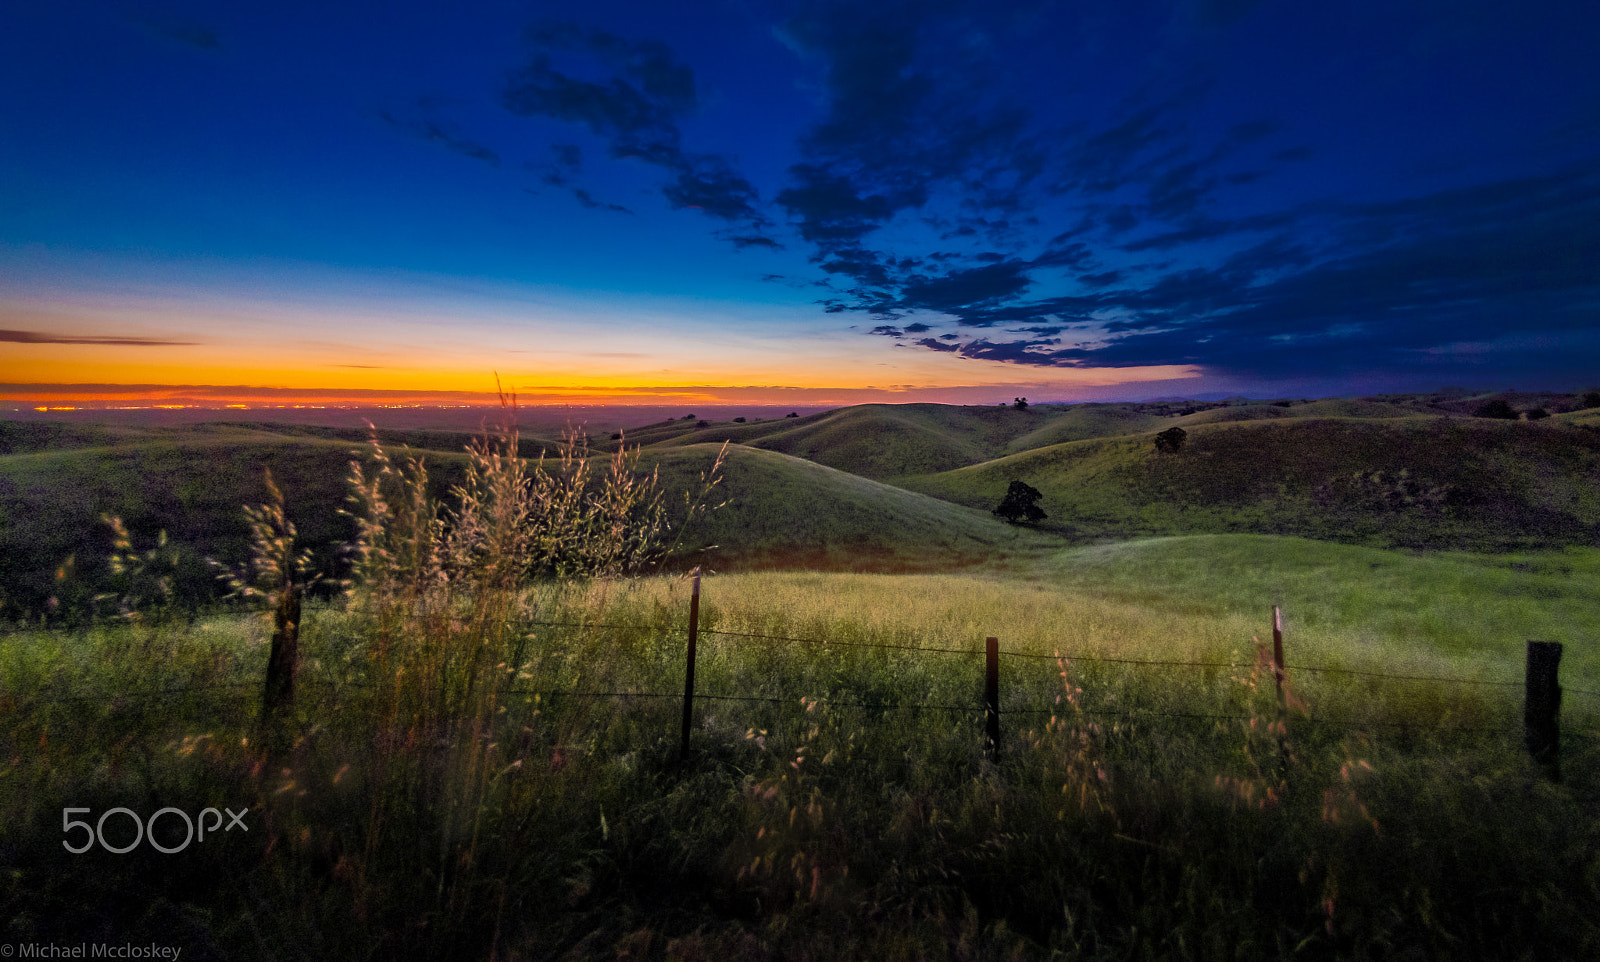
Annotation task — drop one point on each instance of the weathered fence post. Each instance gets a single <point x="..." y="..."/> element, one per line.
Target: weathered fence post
<point x="1541" y="712"/>
<point x="991" y="694"/>
<point x="283" y="661"/>
<point x="1277" y="655"/>
<point x="688" y="675"/>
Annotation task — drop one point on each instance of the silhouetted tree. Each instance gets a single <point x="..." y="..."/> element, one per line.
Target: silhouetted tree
<point x="1021" y="404"/>
<point x="792" y="414"/>
<point x="1020" y="504"/>
<point x="738" y="420"/>
<point x="1171" y="440"/>
<point x="1498" y="408"/>
<point x="687" y="417"/>
<point x="1538" y="414"/>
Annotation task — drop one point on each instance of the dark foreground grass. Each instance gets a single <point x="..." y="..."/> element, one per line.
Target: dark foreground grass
<point x="451" y="787"/>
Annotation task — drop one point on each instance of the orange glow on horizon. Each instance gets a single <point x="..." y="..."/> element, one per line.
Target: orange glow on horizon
<point x="245" y="371"/>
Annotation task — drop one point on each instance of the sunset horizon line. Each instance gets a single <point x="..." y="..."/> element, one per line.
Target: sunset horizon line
<point x="60" y="397"/>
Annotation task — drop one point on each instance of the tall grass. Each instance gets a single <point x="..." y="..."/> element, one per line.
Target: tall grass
<point x="480" y="766"/>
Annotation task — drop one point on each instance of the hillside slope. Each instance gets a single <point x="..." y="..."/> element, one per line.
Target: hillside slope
<point x="193" y="488"/>
<point x="783" y="510"/>
<point x="886" y="441"/>
<point x="193" y="484"/>
<point x="1430" y="482"/>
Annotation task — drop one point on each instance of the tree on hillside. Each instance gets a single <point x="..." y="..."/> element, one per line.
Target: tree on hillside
<point x="1020" y="504"/>
<point x="1538" y="414"/>
<point x="1021" y="404"/>
<point x="1171" y="440"/>
<point x="1498" y="408"/>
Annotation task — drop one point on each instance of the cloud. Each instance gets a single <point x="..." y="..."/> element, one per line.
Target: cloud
<point x="833" y="215"/>
<point x="706" y="183"/>
<point x="40" y="337"/>
<point x="747" y="241"/>
<point x="587" y="199"/>
<point x="636" y="107"/>
<point x="936" y="180"/>
<point x="964" y="289"/>
<point x="911" y="129"/>
<point x="435" y="133"/>
<point x="1404" y="286"/>
<point x="1016" y="352"/>
<point x="1102" y="279"/>
<point x="560" y="171"/>
<point x="920" y="127"/>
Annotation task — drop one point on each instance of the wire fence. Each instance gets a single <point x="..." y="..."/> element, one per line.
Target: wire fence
<point x="244" y="687"/>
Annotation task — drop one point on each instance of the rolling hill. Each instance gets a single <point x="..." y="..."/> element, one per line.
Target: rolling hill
<point x="1437" y="482"/>
<point x="789" y="512"/>
<point x="781" y="511"/>
<point x="884" y="487"/>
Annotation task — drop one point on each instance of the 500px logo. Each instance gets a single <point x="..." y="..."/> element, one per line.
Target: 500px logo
<point x="147" y="829"/>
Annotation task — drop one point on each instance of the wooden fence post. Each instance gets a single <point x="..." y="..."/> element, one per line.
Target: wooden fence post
<point x="283" y="662"/>
<point x="1541" y="712"/>
<point x="688" y="675"/>
<point x="991" y="694"/>
<point x="1277" y="655"/>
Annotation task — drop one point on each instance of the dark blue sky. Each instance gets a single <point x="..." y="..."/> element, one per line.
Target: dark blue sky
<point x="821" y="202"/>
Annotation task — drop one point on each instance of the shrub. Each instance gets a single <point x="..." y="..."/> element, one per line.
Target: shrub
<point x="1591" y="399"/>
<point x="1171" y="440"/>
<point x="1538" y="414"/>
<point x="1498" y="408"/>
<point x="511" y="521"/>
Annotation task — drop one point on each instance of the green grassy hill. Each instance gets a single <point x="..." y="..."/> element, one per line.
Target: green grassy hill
<point x="1325" y="408"/>
<point x="789" y="512"/>
<point x="886" y="441"/>
<point x="880" y="486"/>
<point x="194" y="488"/>
<point x="1420" y="482"/>
<point x="783" y="510"/>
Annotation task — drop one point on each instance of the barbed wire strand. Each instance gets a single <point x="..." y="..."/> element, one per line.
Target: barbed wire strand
<point x="837" y="643"/>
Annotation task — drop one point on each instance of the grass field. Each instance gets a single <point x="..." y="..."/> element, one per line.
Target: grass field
<point x="519" y="822"/>
<point x="475" y="767"/>
<point x="911" y="487"/>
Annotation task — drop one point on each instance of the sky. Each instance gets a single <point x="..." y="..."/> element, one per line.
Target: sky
<point x="806" y="203"/>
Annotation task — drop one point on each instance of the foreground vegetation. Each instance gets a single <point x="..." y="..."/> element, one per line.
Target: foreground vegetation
<point x="449" y="792"/>
<point x="482" y="755"/>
